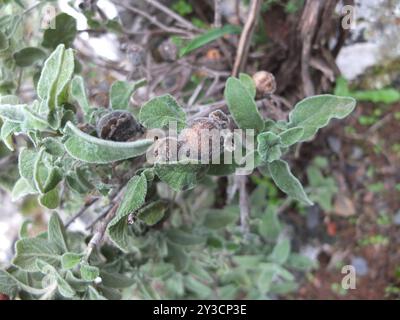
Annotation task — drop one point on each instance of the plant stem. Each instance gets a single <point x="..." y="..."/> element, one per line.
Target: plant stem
<point x="246" y="36"/>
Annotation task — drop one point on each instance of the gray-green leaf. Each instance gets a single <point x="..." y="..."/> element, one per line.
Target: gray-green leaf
<point x="29" y="250"/>
<point x="70" y="260"/>
<point x="248" y="83"/>
<point x="242" y="105"/>
<point x="7" y="129"/>
<point x="281" y="251"/>
<point x="159" y="111"/>
<point x="13" y="113"/>
<point x="51" y="199"/>
<point x="78" y="93"/>
<point x="90" y="149"/>
<point x="315" y="112"/>
<point x="22" y="188"/>
<point x="88" y="272"/>
<point x="269" y="146"/>
<point x="56" y="75"/>
<point x="8" y="285"/>
<point x="63" y="33"/>
<point x="153" y="213"/>
<point x="121" y="92"/>
<point x="291" y="136"/>
<point x="57" y="233"/>
<point x="287" y="182"/>
<point x="28" y="56"/>
<point x="180" y="175"/>
<point x="220" y="218"/>
<point x="134" y="198"/>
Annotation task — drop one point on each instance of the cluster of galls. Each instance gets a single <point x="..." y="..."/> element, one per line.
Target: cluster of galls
<point x="118" y="126"/>
<point x="202" y="140"/>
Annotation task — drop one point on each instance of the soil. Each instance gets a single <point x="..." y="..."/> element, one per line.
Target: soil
<point x="371" y="232"/>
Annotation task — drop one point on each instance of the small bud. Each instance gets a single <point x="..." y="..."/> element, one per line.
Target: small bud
<point x="118" y="126"/>
<point x="136" y="55"/>
<point x="168" y="50"/>
<point x="265" y="83"/>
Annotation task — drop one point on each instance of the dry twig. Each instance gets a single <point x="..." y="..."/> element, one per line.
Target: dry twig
<point x="246" y="36"/>
<point x="152" y="19"/>
<point x="86" y="206"/>
<point x="99" y="234"/>
<point x="244" y="203"/>
<point x="217" y="13"/>
<point x="185" y="23"/>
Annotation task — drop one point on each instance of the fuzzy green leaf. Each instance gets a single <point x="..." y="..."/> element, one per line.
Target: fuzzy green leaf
<point x="159" y="111"/>
<point x="270" y="226"/>
<point x="4" y="44"/>
<point x="29" y="250"/>
<point x="93" y="294"/>
<point x="242" y="105"/>
<point x="26" y="163"/>
<point x="13" y="113"/>
<point x="69" y="260"/>
<point x="269" y="146"/>
<point x="57" y="233"/>
<point x="56" y="75"/>
<point x="315" y="112"/>
<point x="217" y="218"/>
<point x="291" y="136"/>
<point x="78" y="93"/>
<point x="53" y="147"/>
<point x="51" y="199"/>
<point x="63" y="33"/>
<point x="180" y="175"/>
<point x="89" y="149"/>
<point x="88" y="272"/>
<point x="281" y="251"/>
<point x="7" y="129"/>
<point x="184" y="238"/>
<point x="153" y="213"/>
<point x="248" y="83"/>
<point x="28" y="56"/>
<point x="53" y="179"/>
<point x="116" y="280"/>
<point x="21" y="189"/>
<point x="121" y="92"/>
<point x="287" y="182"/>
<point x="8" y="285"/>
<point x="134" y="198"/>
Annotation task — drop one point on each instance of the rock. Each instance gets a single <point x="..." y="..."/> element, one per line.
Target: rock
<point x="335" y="144"/>
<point x="344" y="206"/>
<point x="360" y="264"/>
<point x="356" y="153"/>
<point x="313" y="217"/>
<point x="396" y="218"/>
